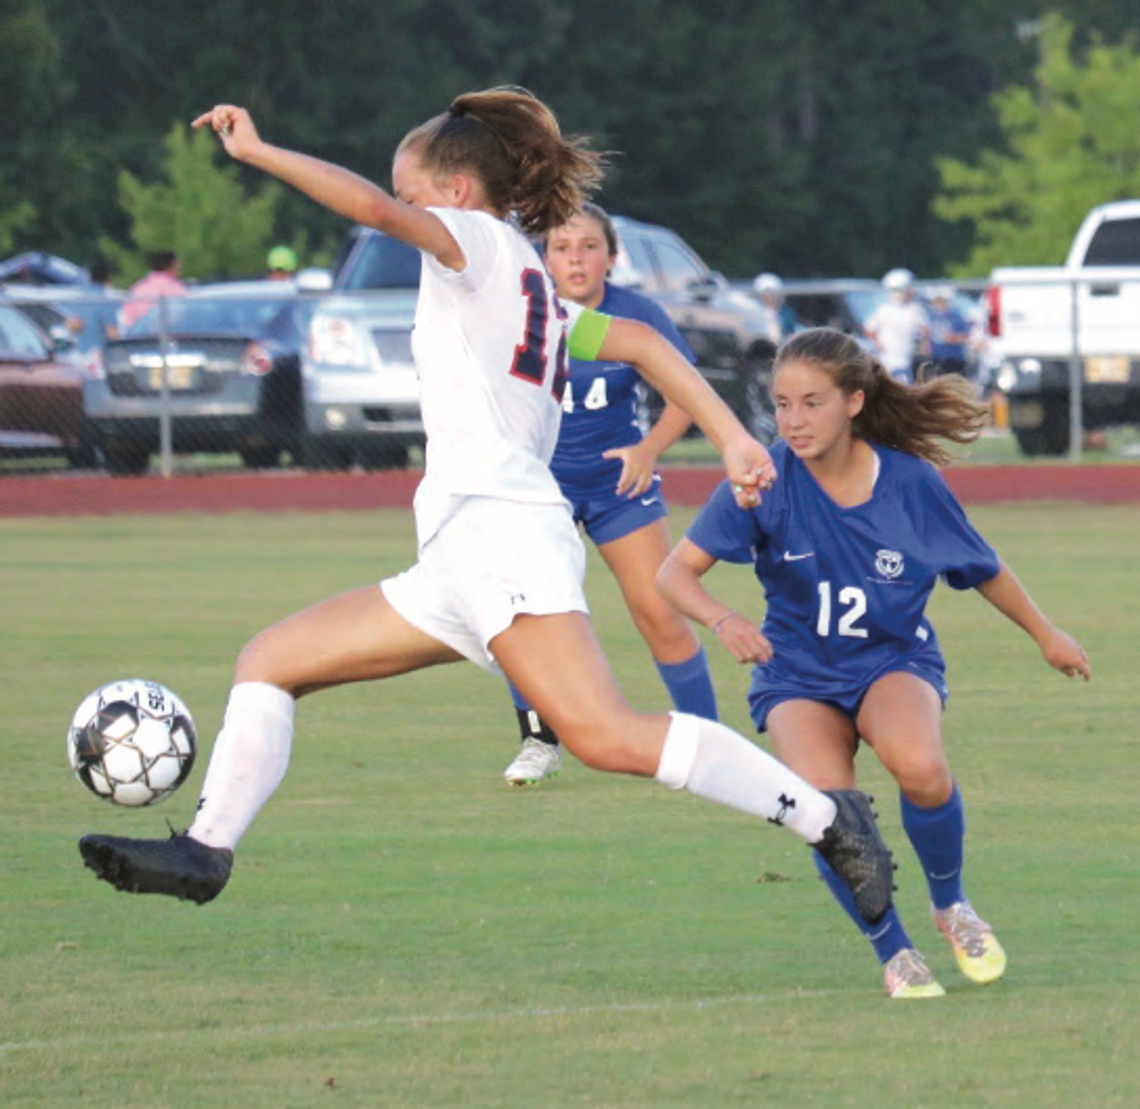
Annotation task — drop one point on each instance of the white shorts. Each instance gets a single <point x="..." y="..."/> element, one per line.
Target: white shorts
<point x="491" y="561"/>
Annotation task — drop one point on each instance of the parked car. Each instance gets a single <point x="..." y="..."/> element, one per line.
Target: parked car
<point x="224" y="360"/>
<point x="36" y="267"/>
<point x="846" y="303"/>
<point x="78" y="319"/>
<point x="41" y="395"/>
<point x="1048" y="322"/>
<point x="722" y="324"/>
<point x="360" y="391"/>
<point x="375" y="407"/>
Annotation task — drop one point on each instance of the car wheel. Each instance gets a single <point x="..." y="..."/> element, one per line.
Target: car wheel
<point x="260" y="458"/>
<point x="1051" y="438"/>
<point x="319" y="454"/>
<point x="758" y="415"/>
<point x="121" y="460"/>
<point x="386" y="456"/>
<point x="84" y="455"/>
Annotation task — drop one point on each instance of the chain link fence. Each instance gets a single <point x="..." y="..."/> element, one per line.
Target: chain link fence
<point x="243" y="375"/>
<point x="263" y="374"/>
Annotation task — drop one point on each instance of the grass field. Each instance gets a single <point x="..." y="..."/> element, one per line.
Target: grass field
<point x="402" y="930"/>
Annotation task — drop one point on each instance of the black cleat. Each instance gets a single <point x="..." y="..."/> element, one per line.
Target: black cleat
<point x="179" y="866"/>
<point x="856" y="852"/>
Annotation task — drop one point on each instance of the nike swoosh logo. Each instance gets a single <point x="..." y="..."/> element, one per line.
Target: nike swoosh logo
<point x="647" y="501"/>
<point x="789" y="557"/>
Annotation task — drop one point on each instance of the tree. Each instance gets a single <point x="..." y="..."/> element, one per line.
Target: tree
<point x="28" y="93"/>
<point x="1071" y="141"/>
<point x="202" y="212"/>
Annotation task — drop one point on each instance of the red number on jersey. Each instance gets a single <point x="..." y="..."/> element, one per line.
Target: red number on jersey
<point x="530" y="354"/>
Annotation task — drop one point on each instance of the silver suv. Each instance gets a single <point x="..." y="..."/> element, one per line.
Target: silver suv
<point x="360" y="393"/>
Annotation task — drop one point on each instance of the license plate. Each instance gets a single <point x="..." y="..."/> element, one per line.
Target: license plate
<point x="178" y="377"/>
<point x="1107" y="370"/>
<point x="1026" y="413"/>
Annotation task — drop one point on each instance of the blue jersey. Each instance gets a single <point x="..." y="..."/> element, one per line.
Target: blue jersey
<point x="599" y="406"/>
<point x="846" y="588"/>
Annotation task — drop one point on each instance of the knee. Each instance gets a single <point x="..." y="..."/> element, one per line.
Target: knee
<point x="612" y="747"/>
<point x="925" y="779"/>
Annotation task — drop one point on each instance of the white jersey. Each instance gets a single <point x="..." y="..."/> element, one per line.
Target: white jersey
<point x="490" y="350"/>
<point x="898" y="329"/>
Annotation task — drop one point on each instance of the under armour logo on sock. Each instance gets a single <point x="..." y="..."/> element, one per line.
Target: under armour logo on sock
<point x="785" y="804"/>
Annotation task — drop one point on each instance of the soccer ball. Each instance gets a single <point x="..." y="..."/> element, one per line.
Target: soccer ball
<point x="132" y="742"/>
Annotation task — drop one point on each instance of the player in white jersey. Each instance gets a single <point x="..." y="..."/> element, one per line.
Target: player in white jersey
<point x="498" y="579"/>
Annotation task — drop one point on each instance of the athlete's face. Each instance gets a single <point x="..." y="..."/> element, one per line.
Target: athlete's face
<point x="812" y="413"/>
<point x="579" y="260"/>
<point x="414" y="184"/>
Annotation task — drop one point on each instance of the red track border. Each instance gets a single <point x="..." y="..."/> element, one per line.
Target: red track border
<point x="294" y="491"/>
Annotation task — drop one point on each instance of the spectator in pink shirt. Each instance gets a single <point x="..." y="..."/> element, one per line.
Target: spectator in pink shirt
<point x="162" y="281"/>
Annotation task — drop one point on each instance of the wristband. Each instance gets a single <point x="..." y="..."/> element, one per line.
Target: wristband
<point x="715" y="629"/>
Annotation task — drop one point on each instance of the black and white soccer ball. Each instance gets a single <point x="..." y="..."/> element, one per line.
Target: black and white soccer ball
<point x="132" y="742"/>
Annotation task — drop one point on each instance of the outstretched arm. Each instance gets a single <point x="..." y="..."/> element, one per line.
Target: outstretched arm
<point x="1060" y="650"/>
<point x="747" y="463"/>
<point x="679" y="580"/>
<point x="345" y="192"/>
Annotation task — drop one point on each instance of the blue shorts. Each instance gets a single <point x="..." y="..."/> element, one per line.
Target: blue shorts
<point x="847" y="697"/>
<point x="609" y="517"/>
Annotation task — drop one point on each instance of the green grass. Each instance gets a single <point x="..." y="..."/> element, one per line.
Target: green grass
<point x="402" y="930"/>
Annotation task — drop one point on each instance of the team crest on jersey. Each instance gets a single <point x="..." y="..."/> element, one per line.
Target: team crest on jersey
<point x="889" y="564"/>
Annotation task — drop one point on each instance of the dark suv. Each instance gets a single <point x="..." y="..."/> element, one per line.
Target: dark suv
<point x="723" y="325"/>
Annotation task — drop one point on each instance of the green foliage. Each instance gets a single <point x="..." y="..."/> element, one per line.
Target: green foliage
<point x="1071" y="141"/>
<point x="28" y="93"/>
<point x="202" y="211"/>
<point x="801" y="138"/>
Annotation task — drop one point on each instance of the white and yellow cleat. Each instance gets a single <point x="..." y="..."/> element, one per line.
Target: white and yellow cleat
<point x="980" y="957"/>
<point x="906" y="977"/>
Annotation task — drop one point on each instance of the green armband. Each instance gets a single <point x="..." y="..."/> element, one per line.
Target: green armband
<point x="588" y="334"/>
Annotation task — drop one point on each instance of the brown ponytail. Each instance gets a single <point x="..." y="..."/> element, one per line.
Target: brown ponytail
<point x="511" y="141"/>
<point x="916" y="419"/>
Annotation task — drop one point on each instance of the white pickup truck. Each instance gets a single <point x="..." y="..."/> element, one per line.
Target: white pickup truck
<point x="1056" y="326"/>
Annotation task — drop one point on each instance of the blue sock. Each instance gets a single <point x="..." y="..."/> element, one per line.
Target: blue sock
<point x="521" y="703"/>
<point x="888" y="937"/>
<point x="939" y="839"/>
<point x="690" y="685"/>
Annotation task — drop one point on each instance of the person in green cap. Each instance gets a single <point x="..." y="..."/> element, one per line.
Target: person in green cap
<point x="281" y="263"/>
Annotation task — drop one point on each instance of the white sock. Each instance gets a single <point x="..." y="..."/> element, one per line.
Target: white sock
<point x="248" y="762"/>
<point x="716" y="763"/>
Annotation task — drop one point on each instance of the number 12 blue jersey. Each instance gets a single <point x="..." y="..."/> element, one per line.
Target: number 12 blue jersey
<point x="846" y="588"/>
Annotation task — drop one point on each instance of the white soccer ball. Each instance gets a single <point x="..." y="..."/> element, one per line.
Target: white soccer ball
<point x="132" y="742"/>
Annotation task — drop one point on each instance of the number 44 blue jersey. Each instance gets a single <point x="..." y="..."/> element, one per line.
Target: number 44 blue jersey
<point x="847" y="588"/>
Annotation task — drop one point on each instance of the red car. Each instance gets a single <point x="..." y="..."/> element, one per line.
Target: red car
<point x="41" y="396"/>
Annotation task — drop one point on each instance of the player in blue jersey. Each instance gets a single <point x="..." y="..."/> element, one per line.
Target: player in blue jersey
<point x="498" y="577"/>
<point x="848" y="547"/>
<point x="605" y="466"/>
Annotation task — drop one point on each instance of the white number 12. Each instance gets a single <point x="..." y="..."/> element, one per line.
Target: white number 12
<point x="855" y="601"/>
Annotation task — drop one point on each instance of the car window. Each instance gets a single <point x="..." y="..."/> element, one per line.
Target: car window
<point x="383" y="263"/>
<point x="20" y="337"/>
<point x="1115" y="243"/>
<point x="679" y="269"/>
<point x="209" y="316"/>
<point x="641" y="261"/>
